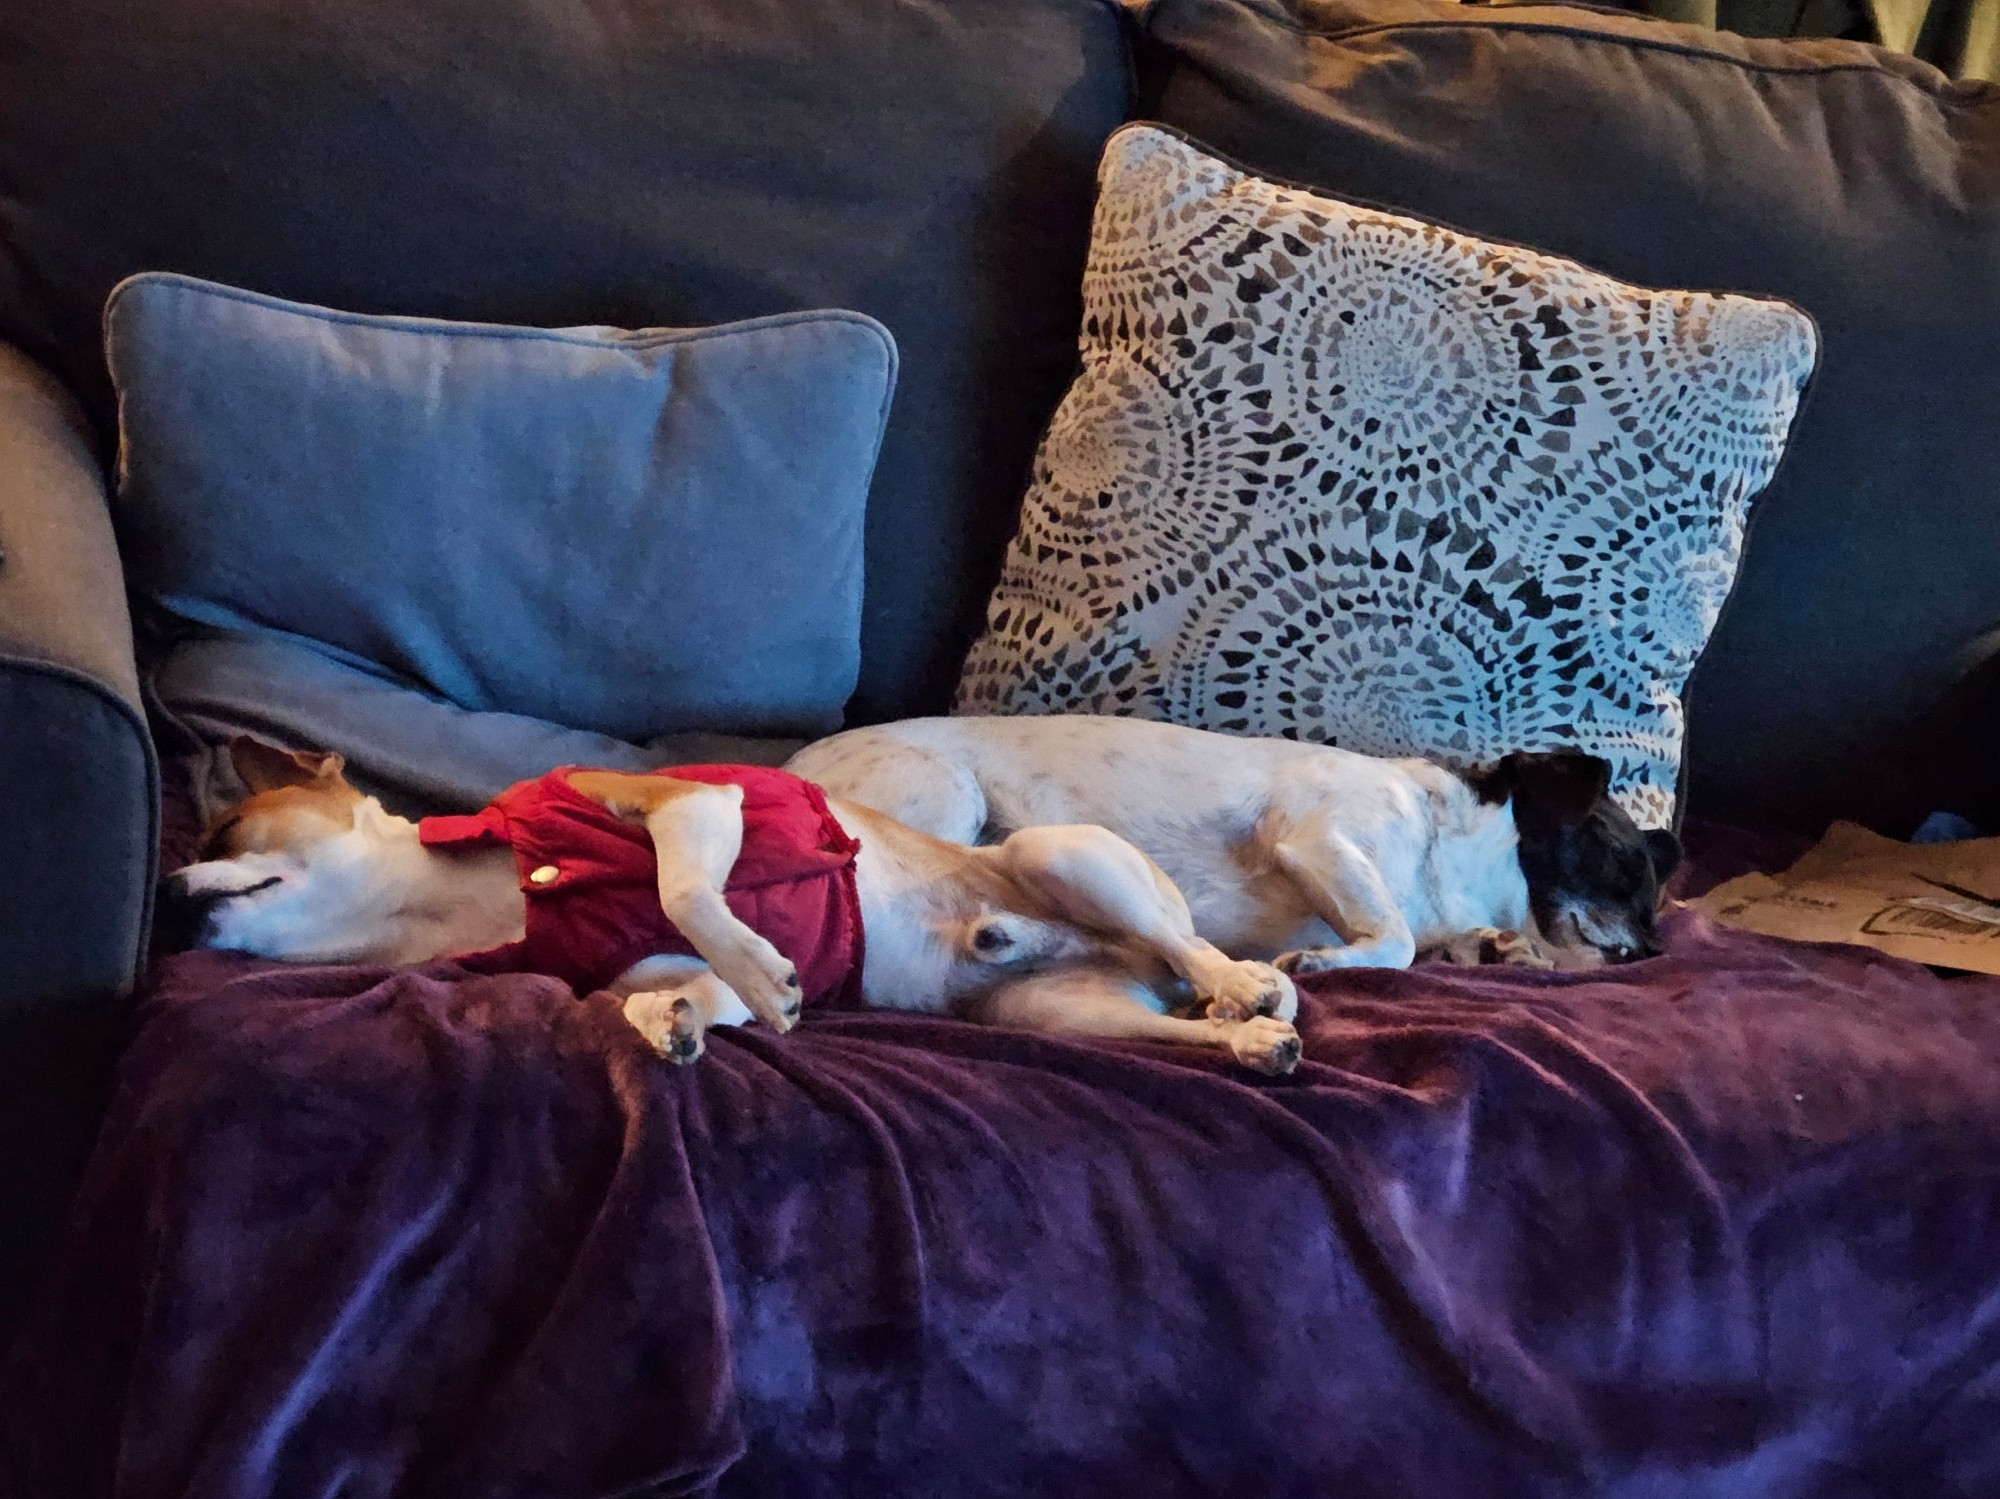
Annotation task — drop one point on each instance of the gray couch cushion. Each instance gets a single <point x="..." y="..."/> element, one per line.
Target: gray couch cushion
<point x="632" y="533"/>
<point x="1859" y="185"/>
<point x="642" y="163"/>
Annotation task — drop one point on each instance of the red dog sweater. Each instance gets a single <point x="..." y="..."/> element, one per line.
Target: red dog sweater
<point x="592" y="886"/>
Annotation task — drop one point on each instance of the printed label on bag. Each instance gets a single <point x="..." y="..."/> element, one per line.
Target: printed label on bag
<point x="1936" y="903"/>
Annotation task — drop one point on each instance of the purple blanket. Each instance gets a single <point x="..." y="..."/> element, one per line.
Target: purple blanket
<point x="1726" y="1223"/>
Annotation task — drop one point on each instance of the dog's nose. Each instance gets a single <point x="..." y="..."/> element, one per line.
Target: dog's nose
<point x="180" y="914"/>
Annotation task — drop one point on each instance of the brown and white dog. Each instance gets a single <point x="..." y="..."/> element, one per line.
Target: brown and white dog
<point x="1309" y="855"/>
<point x="1062" y="929"/>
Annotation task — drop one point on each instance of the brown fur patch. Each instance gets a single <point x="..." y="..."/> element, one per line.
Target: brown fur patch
<point x="633" y="796"/>
<point x="283" y="818"/>
<point x="266" y="767"/>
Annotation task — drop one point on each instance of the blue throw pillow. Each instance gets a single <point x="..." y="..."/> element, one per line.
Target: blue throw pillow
<point x="632" y="533"/>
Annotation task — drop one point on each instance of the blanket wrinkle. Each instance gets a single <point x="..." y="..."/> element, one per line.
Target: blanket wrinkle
<point x="1714" y="1225"/>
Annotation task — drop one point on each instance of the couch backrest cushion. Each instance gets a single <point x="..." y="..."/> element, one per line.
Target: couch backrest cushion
<point x="1860" y="185"/>
<point x="639" y="163"/>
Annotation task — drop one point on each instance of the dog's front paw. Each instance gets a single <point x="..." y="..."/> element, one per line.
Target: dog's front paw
<point x="1519" y="950"/>
<point x="671" y="1024"/>
<point x="1244" y="991"/>
<point x="1267" y="1045"/>
<point x="767" y="982"/>
<point x="1491" y="945"/>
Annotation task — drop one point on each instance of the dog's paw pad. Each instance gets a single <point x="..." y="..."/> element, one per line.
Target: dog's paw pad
<point x="787" y="1005"/>
<point x="1267" y="1045"/>
<point x="1275" y="996"/>
<point x="767" y="982"/>
<point x="1517" y="950"/>
<point x="672" y="1027"/>
<point x="1249" y="990"/>
<point x="1307" y="960"/>
<point x="1488" y="945"/>
<point x="685" y="1036"/>
<point x="1491" y="945"/>
<point x="1463" y="951"/>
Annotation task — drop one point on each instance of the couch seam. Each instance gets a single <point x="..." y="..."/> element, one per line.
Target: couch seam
<point x="1945" y="91"/>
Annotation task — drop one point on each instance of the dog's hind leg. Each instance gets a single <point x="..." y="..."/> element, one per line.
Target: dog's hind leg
<point x="1094" y="879"/>
<point x="672" y="1001"/>
<point x="697" y="832"/>
<point x="1109" y="1005"/>
<point x="1346" y="891"/>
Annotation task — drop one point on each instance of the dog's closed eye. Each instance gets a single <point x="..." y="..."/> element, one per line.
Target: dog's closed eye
<point x="216" y="844"/>
<point x="991" y="939"/>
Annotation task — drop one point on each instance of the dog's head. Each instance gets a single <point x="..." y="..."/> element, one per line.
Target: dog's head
<point x="1594" y="877"/>
<point x="290" y="871"/>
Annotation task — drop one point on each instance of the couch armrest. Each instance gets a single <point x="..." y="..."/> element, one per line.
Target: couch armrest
<point x="79" y="786"/>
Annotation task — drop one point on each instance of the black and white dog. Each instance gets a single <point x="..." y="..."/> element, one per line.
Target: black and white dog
<point x="1314" y="856"/>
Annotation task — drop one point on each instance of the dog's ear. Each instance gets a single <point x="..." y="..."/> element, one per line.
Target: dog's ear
<point x="1664" y="849"/>
<point x="265" y="767"/>
<point x="1553" y="790"/>
<point x="1496" y="782"/>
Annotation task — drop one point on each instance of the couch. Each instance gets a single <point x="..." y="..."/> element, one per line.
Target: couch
<point x="643" y="163"/>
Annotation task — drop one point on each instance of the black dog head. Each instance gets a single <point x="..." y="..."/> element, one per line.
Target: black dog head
<point x="1593" y="877"/>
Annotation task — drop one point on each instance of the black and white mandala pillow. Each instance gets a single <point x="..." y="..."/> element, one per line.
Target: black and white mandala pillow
<point x="1335" y="474"/>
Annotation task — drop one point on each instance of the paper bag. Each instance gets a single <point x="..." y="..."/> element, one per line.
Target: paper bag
<point x="1936" y="903"/>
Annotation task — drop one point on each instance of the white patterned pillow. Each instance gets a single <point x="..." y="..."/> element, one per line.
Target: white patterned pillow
<point x="1335" y="474"/>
